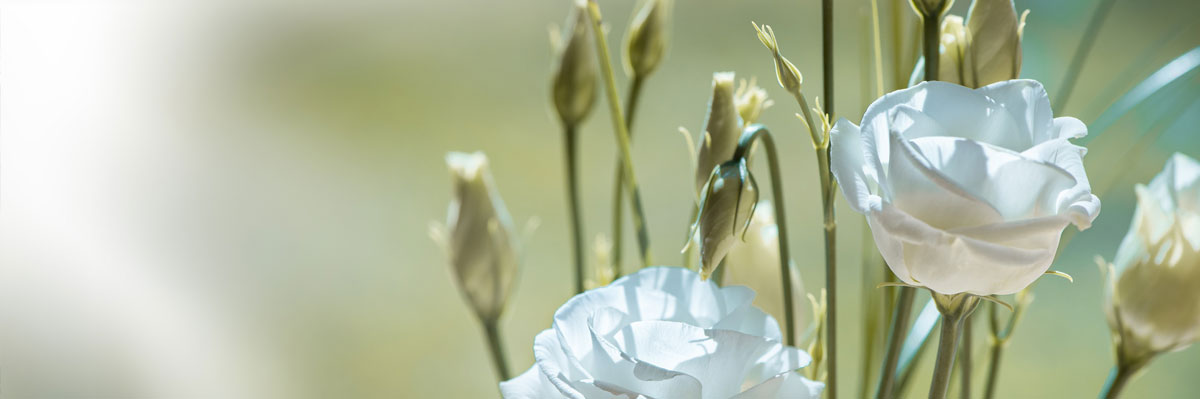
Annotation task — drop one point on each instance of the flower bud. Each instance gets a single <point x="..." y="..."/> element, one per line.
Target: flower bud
<point x="750" y="101"/>
<point x="479" y="236"/>
<point x="995" y="35"/>
<point x="647" y="41"/>
<point x="1154" y="295"/>
<point x="755" y="263"/>
<point x="573" y="85"/>
<point x="788" y="75"/>
<point x="726" y="208"/>
<point x="953" y="66"/>
<point x="934" y="8"/>
<point x="722" y="128"/>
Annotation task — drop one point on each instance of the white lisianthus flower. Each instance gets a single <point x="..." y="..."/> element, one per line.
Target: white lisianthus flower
<point x="1154" y="301"/>
<point x="663" y="333"/>
<point x="965" y="190"/>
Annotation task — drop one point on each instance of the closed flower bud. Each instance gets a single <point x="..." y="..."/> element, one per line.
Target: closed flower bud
<point x="933" y="8"/>
<point x="788" y="75"/>
<point x="722" y="128"/>
<point x="573" y="85"/>
<point x="646" y="45"/>
<point x="995" y="35"/>
<point x="1154" y="298"/>
<point x="478" y="236"/>
<point x="750" y="101"/>
<point x="726" y="208"/>
<point x="953" y="66"/>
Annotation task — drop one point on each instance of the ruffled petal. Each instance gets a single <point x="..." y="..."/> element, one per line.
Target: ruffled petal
<point x="786" y="385"/>
<point x="529" y="385"/>
<point x="920" y="190"/>
<point x="854" y="175"/>
<point x="1027" y="102"/>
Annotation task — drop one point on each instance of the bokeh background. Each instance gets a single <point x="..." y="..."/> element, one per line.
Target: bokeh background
<point x="213" y="199"/>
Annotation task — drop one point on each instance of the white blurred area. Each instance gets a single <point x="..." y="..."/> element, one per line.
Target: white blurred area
<point x="106" y="287"/>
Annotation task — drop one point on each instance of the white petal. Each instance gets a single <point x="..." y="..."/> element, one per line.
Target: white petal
<point x="789" y="385"/>
<point x="923" y="192"/>
<point x="949" y="263"/>
<point x="1026" y="100"/>
<point x="615" y="370"/>
<point x="529" y="385"/>
<point x="718" y="358"/>
<point x="854" y="175"/>
<point x="1078" y="203"/>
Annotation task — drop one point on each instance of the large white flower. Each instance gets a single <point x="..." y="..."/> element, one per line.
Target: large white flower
<point x="966" y="190"/>
<point x="1154" y="301"/>
<point x="663" y="333"/>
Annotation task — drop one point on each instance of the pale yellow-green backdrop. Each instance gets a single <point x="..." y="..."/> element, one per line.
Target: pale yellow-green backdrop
<point x="227" y="200"/>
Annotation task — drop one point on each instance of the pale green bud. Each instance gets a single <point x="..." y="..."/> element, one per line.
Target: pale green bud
<point x="995" y="34"/>
<point x="954" y="65"/>
<point x="573" y="85"/>
<point x="1154" y="293"/>
<point x="726" y="208"/>
<point x="478" y="236"/>
<point x="646" y="45"/>
<point x="934" y="8"/>
<point x="722" y="128"/>
<point x="788" y="75"/>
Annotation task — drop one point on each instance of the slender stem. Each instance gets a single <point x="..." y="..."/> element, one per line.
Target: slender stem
<point x="947" y="345"/>
<point x="964" y="365"/>
<point x="898" y="68"/>
<point x="954" y="309"/>
<point x="1117" y="379"/>
<point x="897" y="332"/>
<point x="618" y="121"/>
<point x="830" y="269"/>
<point x="997" y="349"/>
<point x="570" y="151"/>
<point x="827" y="70"/>
<point x="931" y="45"/>
<point x="618" y="214"/>
<point x="1081" y="53"/>
<point x="759" y="132"/>
<point x="499" y="361"/>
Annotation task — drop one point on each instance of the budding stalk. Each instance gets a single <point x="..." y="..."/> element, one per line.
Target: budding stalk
<point x="722" y="128"/>
<point x="573" y="84"/>
<point x="646" y="45"/>
<point x="726" y="207"/>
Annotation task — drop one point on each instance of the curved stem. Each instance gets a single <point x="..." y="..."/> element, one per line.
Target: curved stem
<point x="1081" y="53"/>
<point x="618" y="214"/>
<point x="1117" y="379"/>
<point x="570" y="150"/>
<point x="931" y="45"/>
<point x="618" y="121"/>
<point x="757" y="132"/>
<point x="896" y="335"/>
<point x="499" y="361"/>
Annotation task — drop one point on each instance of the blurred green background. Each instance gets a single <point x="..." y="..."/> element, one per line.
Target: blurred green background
<point x="232" y="199"/>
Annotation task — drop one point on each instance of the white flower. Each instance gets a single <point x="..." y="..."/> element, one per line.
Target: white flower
<point x="663" y="333"/>
<point x="965" y="190"/>
<point x="478" y="236"/>
<point x="1154" y="304"/>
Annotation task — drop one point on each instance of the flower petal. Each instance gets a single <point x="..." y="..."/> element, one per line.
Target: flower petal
<point x="1027" y="102"/>
<point x="854" y="175"/>
<point x="529" y="385"/>
<point x="790" y="385"/>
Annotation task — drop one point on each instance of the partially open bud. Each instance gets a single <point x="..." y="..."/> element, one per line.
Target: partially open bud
<point x="726" y="207"/>
<point x="722" y="128"/>
<point x="954" y="66"/>
<point x="1154" y="296"/>
<point x="750" y="101"/>
<point x="646" y="45"/>
<point x="933" y="8"/>
<point x="478" y="236"/>
<point x="573" y="85"/>
<point x="995" y="35"/>
<point x="754" y="263"/>
<point x="788" y="75"/>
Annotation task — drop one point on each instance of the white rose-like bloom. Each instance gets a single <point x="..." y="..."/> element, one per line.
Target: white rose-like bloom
<point x="663" y="333"/>
<point x="965" y="190"/>
<point x="1154" y="304"/>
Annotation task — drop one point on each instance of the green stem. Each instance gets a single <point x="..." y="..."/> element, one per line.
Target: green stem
<point x="827" y="70"/>
<point x="964" y="365"/>
<point x="830" y="269"/>
<point x="499" y="361"/>
<point x="618" y="121"/>
<point x="1117" y="379"/>
<point x="570" y="150"/>
<point x="997" y="349"/>
<point x="618" y="215"/>
<point x="931" y="45"/>
<point x="1081" y="53"/>
<point x="954" y="309"/>
<point x="897" y="332"/>
<point x="759" y="132"/>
